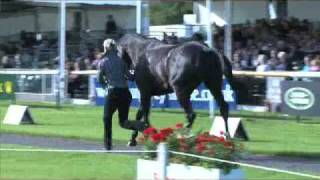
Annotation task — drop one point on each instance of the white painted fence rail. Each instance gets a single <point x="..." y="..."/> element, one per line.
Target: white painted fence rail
<point x="297" y="74"/>
<point x="28" y="71"/>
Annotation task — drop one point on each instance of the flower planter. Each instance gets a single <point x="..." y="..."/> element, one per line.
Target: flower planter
<point x="149" y="169"/>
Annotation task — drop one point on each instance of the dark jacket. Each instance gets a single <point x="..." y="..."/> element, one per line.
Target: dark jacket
<point x="113" y="72"/>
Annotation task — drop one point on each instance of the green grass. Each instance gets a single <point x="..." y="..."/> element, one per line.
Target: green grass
<point x="57" y="165"/>
<point x="46" y="165"/>
<point x="269" y="133"/>
<point x="256" y="174"/>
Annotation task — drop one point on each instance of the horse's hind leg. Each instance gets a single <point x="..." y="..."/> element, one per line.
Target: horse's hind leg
<point x="184" y="100"/>
<point x="215" y="88"/>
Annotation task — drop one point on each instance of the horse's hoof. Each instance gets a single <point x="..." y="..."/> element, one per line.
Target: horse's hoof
<point x="132" y="143"/>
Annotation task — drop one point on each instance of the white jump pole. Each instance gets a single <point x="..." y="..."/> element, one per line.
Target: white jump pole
<point x="162" y="160"/>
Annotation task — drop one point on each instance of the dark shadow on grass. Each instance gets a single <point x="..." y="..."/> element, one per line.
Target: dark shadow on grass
<point x="259" y="141"/>
<point x="35" y="105"/>
<point x="180" y="112"/>
<point x="68" y="137"/>
<point x="237" y="114"/>
<point x="305" y="155"/>
<point x="310" y="122"/>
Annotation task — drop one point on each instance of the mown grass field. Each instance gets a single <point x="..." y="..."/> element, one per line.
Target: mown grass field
<point x="84" y="166"/>
<point x="269" y="133"/>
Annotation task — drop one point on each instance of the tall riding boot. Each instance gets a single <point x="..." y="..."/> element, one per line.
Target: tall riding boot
<point x="107" y="138"/>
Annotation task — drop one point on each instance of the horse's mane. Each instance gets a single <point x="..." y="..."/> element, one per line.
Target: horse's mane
<point x="140" y="37"/>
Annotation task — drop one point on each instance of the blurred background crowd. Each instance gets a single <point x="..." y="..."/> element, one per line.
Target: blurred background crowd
<point x="265" y="45"/>
<point x="275" y="45"/>
<point x="261" y="43"/>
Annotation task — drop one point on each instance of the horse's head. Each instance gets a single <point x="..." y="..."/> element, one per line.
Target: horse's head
<point x="132" y="47"/>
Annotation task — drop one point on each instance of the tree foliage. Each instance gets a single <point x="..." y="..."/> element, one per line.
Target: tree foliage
<point x="169" y="12"/>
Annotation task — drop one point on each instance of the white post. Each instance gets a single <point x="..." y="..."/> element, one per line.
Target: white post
<point x="208" y="25"/>
<point x="162" y="160"/>
<point x="138" y="16"/>
<point x="145" y="17"/>
<point x="228" y="29"/>
<point x="211" y="108"/>
<point x="92" y="89"/>
<point x="43" y="83"/>
<point x="62" y="48"/>
<point x="272" y="12"/>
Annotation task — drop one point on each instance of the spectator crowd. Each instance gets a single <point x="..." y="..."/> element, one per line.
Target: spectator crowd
<point x="265" y="45"/>
<point x="274" y="45"/>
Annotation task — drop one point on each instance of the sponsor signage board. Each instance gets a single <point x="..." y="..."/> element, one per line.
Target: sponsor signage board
<point x="301" y="98"/>
<point x="7" y="86"/>
<point x="200" y="97"/>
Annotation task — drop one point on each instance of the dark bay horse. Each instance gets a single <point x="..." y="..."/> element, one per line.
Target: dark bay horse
<point x="161" y="69"/>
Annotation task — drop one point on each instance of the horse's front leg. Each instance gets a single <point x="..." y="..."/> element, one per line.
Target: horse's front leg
<point x="142" y="114"/>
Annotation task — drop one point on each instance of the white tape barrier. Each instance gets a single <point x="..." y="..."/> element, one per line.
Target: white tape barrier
<point x="173" y="152"/>
<point x="75" y="151"/>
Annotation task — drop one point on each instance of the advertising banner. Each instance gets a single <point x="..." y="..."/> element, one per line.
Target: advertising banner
<point x="200" y="97"/>
<point x="7" y="86"/>
<point x="301" y="98"/>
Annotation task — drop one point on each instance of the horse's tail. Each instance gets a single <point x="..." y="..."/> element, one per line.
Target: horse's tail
<point x="221" y="61"/>
<point x="227" y="70"/>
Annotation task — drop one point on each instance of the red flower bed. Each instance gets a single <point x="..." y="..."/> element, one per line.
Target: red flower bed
<point x="181" y="139"/>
